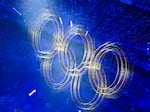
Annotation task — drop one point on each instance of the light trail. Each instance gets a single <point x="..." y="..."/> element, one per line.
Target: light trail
<point x="17" y="11"/>
<point x="32" y="92"/>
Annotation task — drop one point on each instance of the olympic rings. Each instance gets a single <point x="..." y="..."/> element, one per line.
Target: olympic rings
<point x="91" y="62"/>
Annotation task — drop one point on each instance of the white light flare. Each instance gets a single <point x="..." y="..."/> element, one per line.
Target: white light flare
<point x="86" y="33"/>
<point x="79" y="111"/>
<point x="32" y="92"/>
<point x="71" y="23"/>
<point x="61" y="22"/>
<point x="17" y="11"/>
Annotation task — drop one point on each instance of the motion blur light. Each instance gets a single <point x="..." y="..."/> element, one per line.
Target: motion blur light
<point x="17" y="11"/>
<point x="60" y="20"/>
<point x="91" y="62"/>
<point x="32" y="92"/>
<point x="71" y="23"/>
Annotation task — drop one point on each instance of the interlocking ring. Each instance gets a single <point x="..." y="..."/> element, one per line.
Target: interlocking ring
<point x="91" y="62"/>
<point x="88" y="49"/>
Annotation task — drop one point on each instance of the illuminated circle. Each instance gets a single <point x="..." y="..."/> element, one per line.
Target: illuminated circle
<point x="75" y="94"/>
<point x="48" y="76"/>
<point x="43" y="19"/>
<point x="88" y="49"/>
<point x="122" y="73"/>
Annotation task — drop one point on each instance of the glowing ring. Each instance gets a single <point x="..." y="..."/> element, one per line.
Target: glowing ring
<point x="88" y="49"/>
<point x="75" y="94"/>
<point x="46" y="66"/>
<point x="43" y="19"/>
<point x="122" y="69"/>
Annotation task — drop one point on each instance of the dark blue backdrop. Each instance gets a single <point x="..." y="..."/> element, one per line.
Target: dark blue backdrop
<point x="126" y="22"/>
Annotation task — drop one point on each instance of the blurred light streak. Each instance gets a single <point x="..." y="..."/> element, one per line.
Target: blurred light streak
<point x="32" y="92"/>
<point x="60" y="20"/>
<point x="17" y="11"/>
<point x="86" y="33"/>
<point x="71" y="23"/>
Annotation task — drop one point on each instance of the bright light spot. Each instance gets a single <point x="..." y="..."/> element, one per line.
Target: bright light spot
<point x="60" y="20"/>
<point x="17" y="11"/>
<point x="79" y="111"/>
<point x="86" y="33"/>
<point x="60" y="47"/>
<point x="71" y="23"/>
<point x="32" y="92"/>
<point x="94" y="66"/>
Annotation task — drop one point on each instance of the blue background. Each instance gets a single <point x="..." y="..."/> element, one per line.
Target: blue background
<point x="126" y="22"/>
